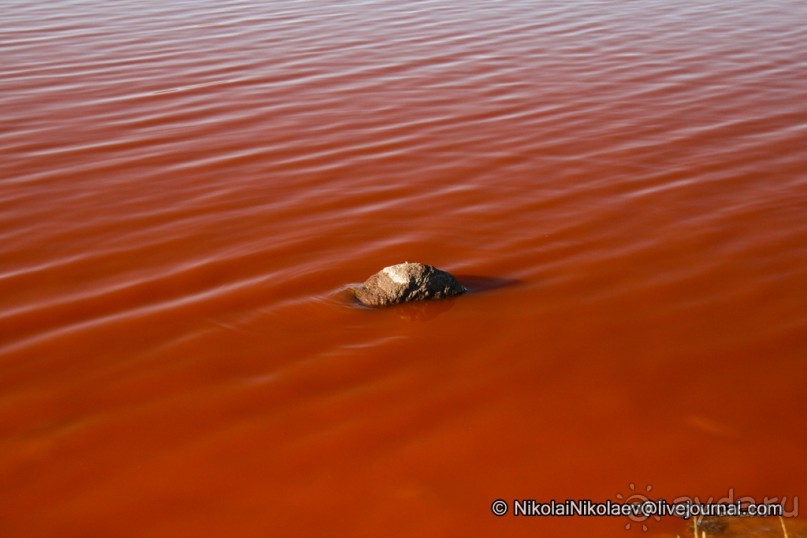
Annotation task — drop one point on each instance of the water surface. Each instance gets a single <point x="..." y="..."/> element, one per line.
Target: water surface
<point x="188" y="188"/>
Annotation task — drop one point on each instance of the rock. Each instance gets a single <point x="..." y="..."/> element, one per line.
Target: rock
<point x="407" y="282"/>
<point x="749" y="527"/>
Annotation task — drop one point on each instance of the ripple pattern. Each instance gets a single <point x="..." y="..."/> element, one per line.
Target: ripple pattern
<point x="188" y="188"/>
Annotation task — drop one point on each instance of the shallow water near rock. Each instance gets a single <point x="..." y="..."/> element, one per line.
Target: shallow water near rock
<point x="188" y="188"/>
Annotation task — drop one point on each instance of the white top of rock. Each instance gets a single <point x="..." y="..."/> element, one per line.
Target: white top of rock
<point x="397" y="273"/>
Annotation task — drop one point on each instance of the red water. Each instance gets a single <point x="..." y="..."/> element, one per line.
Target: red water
<point x="188" y="188"/>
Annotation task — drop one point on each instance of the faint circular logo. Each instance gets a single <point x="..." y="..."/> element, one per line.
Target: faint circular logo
<point x="638" y="499"/>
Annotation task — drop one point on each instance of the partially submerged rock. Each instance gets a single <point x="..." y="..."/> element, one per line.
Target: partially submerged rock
<point x="407" y="282"/>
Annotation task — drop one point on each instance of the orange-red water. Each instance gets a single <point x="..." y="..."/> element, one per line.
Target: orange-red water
<point x="188" y="188"/>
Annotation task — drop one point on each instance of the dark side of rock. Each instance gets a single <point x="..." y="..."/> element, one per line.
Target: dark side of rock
<point x="407" y="282"/>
